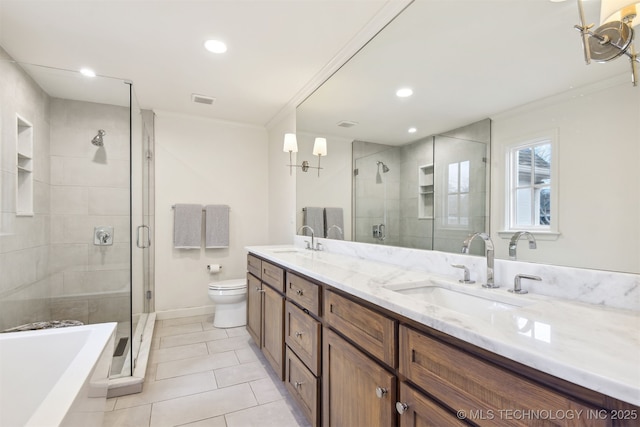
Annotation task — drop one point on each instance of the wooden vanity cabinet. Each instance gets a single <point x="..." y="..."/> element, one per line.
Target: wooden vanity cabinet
<point x="265" y="310"/>
<point x="487" y="394"/>
<point x="349" y="363"/>
<point x="356" y="391"/>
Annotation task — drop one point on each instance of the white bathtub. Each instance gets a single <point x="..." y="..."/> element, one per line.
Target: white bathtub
<point x="55" y="377"/>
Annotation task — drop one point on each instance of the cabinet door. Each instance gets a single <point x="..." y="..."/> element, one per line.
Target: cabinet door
<point x="417" y="410"/>
<point x="273" y="330"/>
<point x="356" y="390"/>
<point x="254" y="309"/>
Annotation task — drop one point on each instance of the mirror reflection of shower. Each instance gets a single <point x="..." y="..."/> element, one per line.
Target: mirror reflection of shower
<point x="97" y="140"/>
<point x="385" y="169"/>
<point x="380" y="230"/>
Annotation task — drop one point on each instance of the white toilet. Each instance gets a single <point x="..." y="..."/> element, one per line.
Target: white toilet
<point x="230" y="299"/>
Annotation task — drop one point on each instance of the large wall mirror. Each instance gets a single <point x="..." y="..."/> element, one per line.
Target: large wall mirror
<point x="484" y="74"/>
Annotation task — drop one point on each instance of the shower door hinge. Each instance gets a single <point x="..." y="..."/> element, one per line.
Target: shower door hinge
<point x="355" y="172"/>
<point x="148" y="294"/>
<point x="484" y="159"/>
<point x="149" y="155"/>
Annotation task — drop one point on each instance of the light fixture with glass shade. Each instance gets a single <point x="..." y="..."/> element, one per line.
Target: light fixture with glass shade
<point x="614" y="37"/>
<point x="291" y="146"/>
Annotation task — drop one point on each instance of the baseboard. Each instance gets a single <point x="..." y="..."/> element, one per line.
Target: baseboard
<point x="184" y="312"/>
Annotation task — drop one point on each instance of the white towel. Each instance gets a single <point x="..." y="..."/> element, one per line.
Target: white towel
<point x="334" y="216"/>
<point x="216" y="226"/>
<point x="314" y="218"/>
<point x="187" y="226"/>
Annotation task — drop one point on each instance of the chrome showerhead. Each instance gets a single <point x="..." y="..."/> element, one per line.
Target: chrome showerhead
<point x="97" y="140"/>
<point x="385" y="169"/>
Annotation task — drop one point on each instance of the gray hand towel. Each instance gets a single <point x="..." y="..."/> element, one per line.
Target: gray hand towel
<point x="334" y="216"/>
<point x="187" y="226"/>
<point x="216" y="226"/>
<point x="314" y="218"/>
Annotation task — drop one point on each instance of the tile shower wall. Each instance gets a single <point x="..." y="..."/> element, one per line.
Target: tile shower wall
<point x="89" y="188"/>
<point x="25" y="285"/>
<point x="49" y="268"/>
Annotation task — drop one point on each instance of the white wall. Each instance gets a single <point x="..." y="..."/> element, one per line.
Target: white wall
<point x="204" y="161"/>
<point x="282" y="186"/>
<point x="599" y="149"/>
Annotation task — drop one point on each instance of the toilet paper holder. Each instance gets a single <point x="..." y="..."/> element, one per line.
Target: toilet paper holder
<point x="214" y="268"/>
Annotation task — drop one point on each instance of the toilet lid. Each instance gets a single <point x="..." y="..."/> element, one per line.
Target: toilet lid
<point x="228" y="284"/>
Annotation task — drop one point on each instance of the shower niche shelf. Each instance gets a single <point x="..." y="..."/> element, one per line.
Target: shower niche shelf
<point x="24" y="164"/>
<point x="425" y="191"/>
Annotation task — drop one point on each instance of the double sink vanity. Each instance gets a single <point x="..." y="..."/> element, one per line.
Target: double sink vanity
<point x="369" y="343"/>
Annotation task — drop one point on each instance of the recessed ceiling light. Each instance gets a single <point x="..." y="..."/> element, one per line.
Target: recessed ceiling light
<point x="87" y="72"/>
<point x="215" y="46"/>
<point x="412" y="130"/>
<point x="404" y="92"/>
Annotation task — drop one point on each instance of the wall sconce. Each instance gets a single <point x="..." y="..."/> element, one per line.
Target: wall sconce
<point x="614" y="36"/>
<point x="291" y="146"/>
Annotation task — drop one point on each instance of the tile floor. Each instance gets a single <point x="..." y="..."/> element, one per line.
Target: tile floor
<point x="200" y="376"/>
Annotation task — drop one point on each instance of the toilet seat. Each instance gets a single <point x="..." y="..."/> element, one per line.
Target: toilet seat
<point x="228" y="285"/>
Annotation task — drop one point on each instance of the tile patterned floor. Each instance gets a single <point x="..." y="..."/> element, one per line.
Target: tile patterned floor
<point x="200" y="376"/>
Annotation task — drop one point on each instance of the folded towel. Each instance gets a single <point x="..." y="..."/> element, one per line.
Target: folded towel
<point x="334" y="217"/>
<point x="314" y="218"/>
<point x="187" y="226"/>
<point x="216" y="233"/>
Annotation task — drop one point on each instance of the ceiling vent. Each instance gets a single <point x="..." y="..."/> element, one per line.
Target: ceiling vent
<point x="346" y="124"/>
<point x="202" y="99"/>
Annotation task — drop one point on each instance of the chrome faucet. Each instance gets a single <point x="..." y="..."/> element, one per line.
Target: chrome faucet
<point x="517" y="286"/>
<point x="313" y="245"/>
<point x="513" y="244"/>
<point x="488" y="243"/>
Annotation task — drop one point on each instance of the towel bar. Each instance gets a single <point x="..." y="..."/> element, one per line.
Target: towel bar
<point x="174" y="206"/>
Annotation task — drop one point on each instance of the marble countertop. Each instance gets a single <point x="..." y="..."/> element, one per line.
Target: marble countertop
<point x="590" y="345"/>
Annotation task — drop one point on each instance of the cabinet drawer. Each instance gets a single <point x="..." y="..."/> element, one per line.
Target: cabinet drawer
<point x="370" y="330"/>
<point x="303" y="386"/>
<point x="302" y="334"/>
<point x="304" y="293"/>
<point x="467" y="383"/>
<point x="254" y="265"/>
<point x="422" y="411"/>
<point x="273" y="276"/>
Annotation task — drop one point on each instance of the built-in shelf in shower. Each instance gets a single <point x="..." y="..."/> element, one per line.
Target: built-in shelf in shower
<point x="24" y="164"/>
<point x="425" y="191"/>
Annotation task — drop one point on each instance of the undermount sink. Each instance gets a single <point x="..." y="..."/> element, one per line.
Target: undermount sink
<point x="287" y="251"/>
<point x="482" y="303"/>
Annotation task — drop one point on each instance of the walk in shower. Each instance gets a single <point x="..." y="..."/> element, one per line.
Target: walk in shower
<point x="76" y="205"/>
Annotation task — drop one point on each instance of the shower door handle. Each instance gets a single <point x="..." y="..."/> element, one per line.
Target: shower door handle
<point x="148" y="237"/>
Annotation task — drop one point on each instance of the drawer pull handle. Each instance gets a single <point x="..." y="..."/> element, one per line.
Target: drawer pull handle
<point x="298" y="334"/>
<point x="259" y="290"/>
<point x="299" y="292"/>
<point x="401" y="407"/>
<point x="380" y="392"/>
<point x="298" y="384"/>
